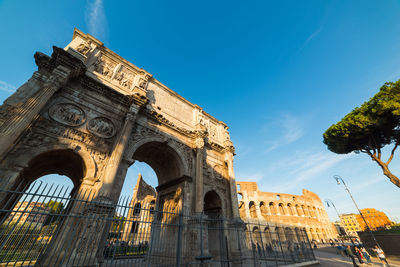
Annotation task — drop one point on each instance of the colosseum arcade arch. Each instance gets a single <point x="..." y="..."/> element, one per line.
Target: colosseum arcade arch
<point x="88" y="100"/>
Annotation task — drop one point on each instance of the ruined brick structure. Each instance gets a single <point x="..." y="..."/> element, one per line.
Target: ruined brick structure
<point x="285" y="210"/>
<point x="141" y="209"/>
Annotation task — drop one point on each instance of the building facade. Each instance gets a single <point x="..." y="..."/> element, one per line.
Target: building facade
<point x="340" y="229"/>
<point x="354" y="223"/>
<point x="29" y="212"/>
<point x="285" y="210"/>
<point x="350" y="223"/>
<point x="375" y="219"/>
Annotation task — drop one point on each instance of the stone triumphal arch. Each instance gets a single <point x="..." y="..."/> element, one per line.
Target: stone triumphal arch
<point x="89" y="114"/>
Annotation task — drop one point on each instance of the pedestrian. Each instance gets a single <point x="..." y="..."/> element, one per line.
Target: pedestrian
<point x="381" y="255"/>
<point x="351" y="255"/>
<point x="340" y="250"/>
<point x="366" y="255"/>
<point x="358" y="255"/>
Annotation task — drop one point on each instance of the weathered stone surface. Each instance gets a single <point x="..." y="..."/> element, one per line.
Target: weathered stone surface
<point x="89" y="106"/>
<point x="283" y="210"/>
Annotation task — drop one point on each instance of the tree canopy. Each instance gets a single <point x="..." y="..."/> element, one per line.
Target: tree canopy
<point x="369" y="128"/>
<point x="56" y="208"/>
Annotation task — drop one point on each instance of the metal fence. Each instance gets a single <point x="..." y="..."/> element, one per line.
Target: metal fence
<point x="44" y="225"/>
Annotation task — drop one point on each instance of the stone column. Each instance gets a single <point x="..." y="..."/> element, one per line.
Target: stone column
<point x="199" y="175"/>
<point x="109" y="183"/>
<point x="231" y="174"/>
<point x="24" y="114"/>
<point x="258" y="211"/>
<point x="246" y="202"/>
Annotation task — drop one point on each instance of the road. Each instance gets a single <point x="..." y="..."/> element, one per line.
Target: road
<point x="329" y="259"/>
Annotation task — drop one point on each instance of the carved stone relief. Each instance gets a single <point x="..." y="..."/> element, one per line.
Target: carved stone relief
<point x="44" y="132"/>
<point x="124" y="77"/>
<point x="99" y="158"/>
<point x="207" y="170"/>
<point x="209" y="125"/>
<point x="218" y="172"/>
<point x="104" y="66"/>
<point x="101" y="127"/>
<point x="84" y="47"/>
<point x="67" y="114"/>
<point x="142" y="83"/>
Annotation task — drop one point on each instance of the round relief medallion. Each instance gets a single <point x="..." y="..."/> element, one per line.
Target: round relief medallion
<point x="68" y="114"/>
<point x="102" y="127"/>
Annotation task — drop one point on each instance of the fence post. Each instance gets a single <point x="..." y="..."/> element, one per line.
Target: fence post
<point x="179" y="244"/>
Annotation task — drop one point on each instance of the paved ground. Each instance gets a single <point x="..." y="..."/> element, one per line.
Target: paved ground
<point x="329" y="259"/>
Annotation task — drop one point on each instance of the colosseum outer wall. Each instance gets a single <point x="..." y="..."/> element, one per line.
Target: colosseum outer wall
<point x="286" y="210"/>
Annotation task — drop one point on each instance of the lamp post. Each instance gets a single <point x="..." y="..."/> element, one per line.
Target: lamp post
<point x="340" y="180"/>
<point x="329" y="203"/>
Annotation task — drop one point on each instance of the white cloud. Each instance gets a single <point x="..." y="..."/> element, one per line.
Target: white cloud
<point x="254" y="177"/>
<point x="311" y="36"/>
<point x="96" y="19"/>
<point x="7" y="87"/>
<point x="292" y="129"/>
<point x="367" y="181"/>
<point x="304" y="166"/>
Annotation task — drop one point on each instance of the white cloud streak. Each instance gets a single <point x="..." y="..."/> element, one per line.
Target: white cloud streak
<point x="6" y="87"/>
<point x="310" y="37"/>
<point x="255" y="177"/>
<point x="96" y="19"/>
<point x="292" y="130"/>
<point x="305" y="166"/>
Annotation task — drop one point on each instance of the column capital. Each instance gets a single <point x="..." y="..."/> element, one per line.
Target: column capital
<point x="132" y="112"/>
<point x="58" y="77"/>
<point x="60" y="57"/>
<point x="199" y="143"/>
<point x="228" y="156"/>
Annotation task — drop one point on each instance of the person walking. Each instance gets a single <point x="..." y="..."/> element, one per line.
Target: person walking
<point x="340" y="250"/>
<point x="358" y="254"/>
<point x="381" y="255"/>
<point x="366" y="255"/>
<point x="351" y="255"/>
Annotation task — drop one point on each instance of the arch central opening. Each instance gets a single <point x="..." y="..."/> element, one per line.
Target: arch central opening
<point x="164" y="160"/>
<point x="155" y="189"/>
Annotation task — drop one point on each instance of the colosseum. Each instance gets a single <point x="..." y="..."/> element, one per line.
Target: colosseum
<point x="284" y="210"/>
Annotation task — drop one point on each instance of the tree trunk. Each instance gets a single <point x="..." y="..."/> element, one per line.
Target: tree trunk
<point x="393" y="178"/>
<point x="390" y="175"/>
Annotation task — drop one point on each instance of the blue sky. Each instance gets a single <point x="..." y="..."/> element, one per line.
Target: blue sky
<point x="279" y="73"/>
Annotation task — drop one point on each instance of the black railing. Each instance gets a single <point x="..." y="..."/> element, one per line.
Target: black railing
<point x="43" y="225"/>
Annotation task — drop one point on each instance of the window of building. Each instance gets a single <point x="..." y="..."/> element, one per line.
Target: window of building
<point x="135" y="226"/>
<point x="136" y="209"/>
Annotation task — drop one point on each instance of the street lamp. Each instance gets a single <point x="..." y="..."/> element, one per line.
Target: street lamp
<point x="329" y="203"/>
<point x="340" y="180"/>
